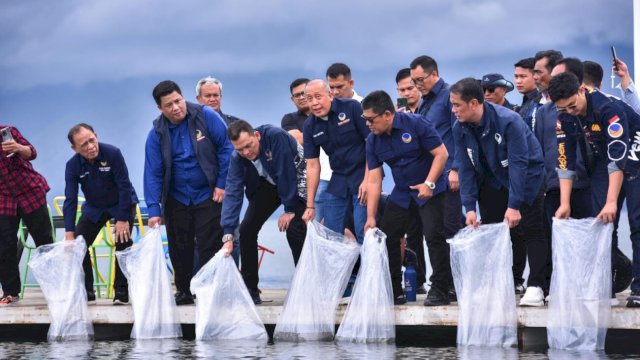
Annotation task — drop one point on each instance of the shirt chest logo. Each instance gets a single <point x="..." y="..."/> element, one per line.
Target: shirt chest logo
<point x="406" y="138"/>
<point x="104" y="166"/>
<point x="268" y="154"/>
<point x="199" y="135"/>
<point x="498" y="138"/>
<point x="318" y="134"/>
<point x="342" y="117"/>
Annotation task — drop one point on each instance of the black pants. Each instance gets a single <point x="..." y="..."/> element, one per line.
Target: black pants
<point x="89" y="230"/>
<point x="493" y="204"/>
<point x="185" y="225"/>
<point x="39" y="227"/>
<point x="394" y="224"/>
<point x="261" y="206"/>
<point x="415" y="242"/>
<point x="453" y="218"/>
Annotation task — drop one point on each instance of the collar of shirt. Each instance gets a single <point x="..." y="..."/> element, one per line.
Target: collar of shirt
<point x="437" y="87"/>
<point x="531" y="94"/>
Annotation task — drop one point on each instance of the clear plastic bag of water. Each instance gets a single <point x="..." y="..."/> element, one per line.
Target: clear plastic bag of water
<point x="57" y="268"/>
<point x="319" y="280"/>
<point x="580" y="292"/>
<point x="481" y="261"/>
<point x="154" y="308"/>
<point x="224" y="309"/>
<point x="370" y="315"/>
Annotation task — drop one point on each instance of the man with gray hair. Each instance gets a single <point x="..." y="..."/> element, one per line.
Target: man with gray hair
<point x="209" y="92"/>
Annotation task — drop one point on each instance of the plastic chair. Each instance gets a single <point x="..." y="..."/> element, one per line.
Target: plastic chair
<point x="23" y="235"/>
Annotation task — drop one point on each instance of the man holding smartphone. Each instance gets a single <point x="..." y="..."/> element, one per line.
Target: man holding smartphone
<point x="22" y="196"/>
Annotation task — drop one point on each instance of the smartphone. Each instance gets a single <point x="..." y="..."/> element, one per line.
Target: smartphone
<point x="6" y="136"/>
<point x="615" y="57"/>
<point x="402" y="105"/>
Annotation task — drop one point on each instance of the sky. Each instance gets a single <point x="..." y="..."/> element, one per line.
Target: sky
<point x="65" y="62"/>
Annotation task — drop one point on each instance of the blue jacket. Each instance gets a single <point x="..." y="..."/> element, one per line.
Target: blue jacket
<point x="209" y="141"/>
<point x="282" y="158"/>
<point x="610" y="136"/>
<point x="105" y="185"/>
<point x="548" y="130"/>
<point x="513" y="157"/>
<point x="436" y="107"/>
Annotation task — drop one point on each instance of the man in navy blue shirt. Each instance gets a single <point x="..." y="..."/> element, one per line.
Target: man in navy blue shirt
<point x="268" y="166"/>
<point x="293" y="122"/>
<point x="502" y="168"/>
<point x="336" y="125"/>
<point x="436" y="107"/>
<point x="102" y="174"/>
<point x="186" y="162"/>
<point x="411" y="146"/>
<point x="607" y="132"/>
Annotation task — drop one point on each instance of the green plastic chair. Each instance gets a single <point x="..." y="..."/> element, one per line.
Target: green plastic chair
<point x="28" y="247"/>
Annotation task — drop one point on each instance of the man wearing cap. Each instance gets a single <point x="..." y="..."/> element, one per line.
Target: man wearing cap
<point x="495" y="87"/>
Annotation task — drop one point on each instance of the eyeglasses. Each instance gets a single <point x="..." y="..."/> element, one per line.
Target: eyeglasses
<point x="298" y="95"/>
<point x="566" y="109"/>
<point x="370" y="120"/>
<point x="490" y="90"/>
<point x="419" y="81"/>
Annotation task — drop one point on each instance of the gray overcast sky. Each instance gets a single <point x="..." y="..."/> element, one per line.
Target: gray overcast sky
<point x="63" y="62"/>
<point x="76" y="42"/>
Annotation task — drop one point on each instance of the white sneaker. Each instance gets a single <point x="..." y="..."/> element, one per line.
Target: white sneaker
<point x="534" y="296"/>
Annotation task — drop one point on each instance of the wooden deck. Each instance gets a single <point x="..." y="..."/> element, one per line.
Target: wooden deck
<point x="33" y="310"/>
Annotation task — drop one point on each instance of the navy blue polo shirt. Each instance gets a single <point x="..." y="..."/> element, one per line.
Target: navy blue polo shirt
<point x="105" y="185"/>
<point x="436" y="107"/>
<point x="407" y="152"/>
<point x="342" y="136"/>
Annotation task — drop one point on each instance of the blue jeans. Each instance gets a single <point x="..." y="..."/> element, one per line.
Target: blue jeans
<point x="320" y="199"/>
<point x="335" y="209"/>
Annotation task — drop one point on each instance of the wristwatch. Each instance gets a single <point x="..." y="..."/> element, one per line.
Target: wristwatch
<point x="430" y="185"/>
<point x="227" y="237"/>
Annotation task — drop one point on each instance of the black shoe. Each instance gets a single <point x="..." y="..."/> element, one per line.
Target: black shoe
<point x="91" y="296"/>
<point x="400" y="300"/>
<point x="255" y="296"/>
<point x="121" y="297"/>
<point x="453" y="297"/>
<point x="421" y="290"/>
<point x="634" y="299"/>
<point x="519" y="289"/>
<point x="436" y="298"/>
<point x="183" y="298"/>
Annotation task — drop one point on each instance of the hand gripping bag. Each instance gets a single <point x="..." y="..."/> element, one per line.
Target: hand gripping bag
<point x="580" y="292"/>
<point x="319" y="280"/>
<point x="224" y="309"/>
<point x="57" y="268"/>
<point x="370" y="315"/>
<point x="154" y="309"/>
<point x="481" y="261"/>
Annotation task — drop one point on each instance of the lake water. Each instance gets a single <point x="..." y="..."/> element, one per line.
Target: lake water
<point x="185" y="349"/>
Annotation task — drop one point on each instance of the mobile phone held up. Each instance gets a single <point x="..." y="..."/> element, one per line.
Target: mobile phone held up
<point x="615" y="57"/>
<point x="402" y="105"/>
<point x="6" y="136"/>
